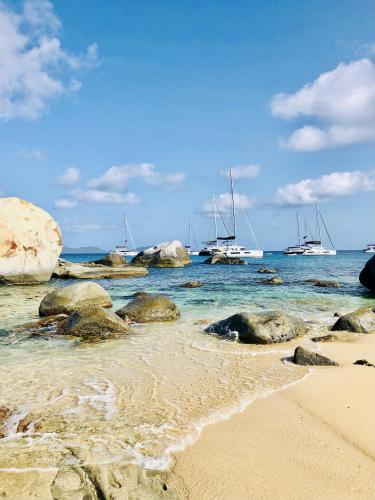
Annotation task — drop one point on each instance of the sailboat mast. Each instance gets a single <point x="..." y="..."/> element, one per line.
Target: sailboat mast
<point x="233" y="206"/>
<point x="189" y="232"/>
<point x="318" y="224"/>
<point x="298" y="230"/>
<point x="126" y="230"/>
<point x="214" y="211"/>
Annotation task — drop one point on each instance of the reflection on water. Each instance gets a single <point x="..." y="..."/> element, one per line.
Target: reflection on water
<point x="138" y="398"/>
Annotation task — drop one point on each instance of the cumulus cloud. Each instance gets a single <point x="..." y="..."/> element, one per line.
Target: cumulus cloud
<point x="326" y="187"/>
<point x="34" y="68"/>
<point x="224" y="202"/>
<point x="97" y="196"/>
<point x="117" y="178"/>
<point x="63" y="203"/>
<point x="69" y="177"/>
<point x="243" y="171"/>
<point x="341" y="100"/>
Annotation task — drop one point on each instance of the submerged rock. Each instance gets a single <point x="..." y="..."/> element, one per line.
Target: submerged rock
<point x="30" y="243"/>
<point x="43" y="327"/>
<point x="68" y="299"/>
<point x="4" y="414"/>
<point x="267" y="328"/>
<point x="148" y="308"/>
<point x="276" y="280"/>
<point x="264" y="270"/>
<point x="73" y="270"/>
<point x="325" y="338"/>
<point x="327" y="284"/>
<point x="367" y="275"/>
<point x="305" y="357"/>
<point x="191" y="284"/>
<point x="224" y="260"/>
<point x="110" y="260"/>
<point x="360" y="321"/>
<point x="92" y="322"/>
<point x="168" y="254"/>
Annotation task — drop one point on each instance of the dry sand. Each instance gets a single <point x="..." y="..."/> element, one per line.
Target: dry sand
<point x="313" y="440"/>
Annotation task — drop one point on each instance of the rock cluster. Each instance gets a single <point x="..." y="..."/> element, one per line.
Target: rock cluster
<point x="168" y="254"/>
<point x="264" y="328"/>
<point x="30" y="243"/>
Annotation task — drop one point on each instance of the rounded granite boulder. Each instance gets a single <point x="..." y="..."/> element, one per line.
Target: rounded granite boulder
<point x="94" y="323"/>
<point x="367" y="275"/>
<point x="68" y="299"/>
<point x="147" y="308"/>
<point x="360" y="321"/>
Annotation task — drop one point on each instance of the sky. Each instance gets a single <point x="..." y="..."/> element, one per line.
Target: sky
<point x="143" y="107"/>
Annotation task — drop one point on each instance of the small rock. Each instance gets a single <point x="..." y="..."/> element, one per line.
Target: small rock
<point x="276" y="280"/>
<point x="68" y="299"/>
<point x="92" y="322"/>
<point x="363" y="362"/>
<point x="224" y="260"/>
<point x="4" y="414"/>
<point x="148" y="308"/>
<point x="327" y="284"/>
<point x="191" y="284"/>
<point x="325" y="338"/>
<point x="111" y="260"/>
<point x="305" y="357"/>
<point x="267" y="271"/>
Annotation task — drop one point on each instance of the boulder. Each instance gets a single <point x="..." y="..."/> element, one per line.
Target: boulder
<point x="110" y="260"/>
<point x="94" y="323"/>
<point x="43" y="327"/>
<point x="267" y="328"/>
<point x="360" y="321"/>
<point x="305" y="357"/>
<point x="66" y="300"/>
<point x="276" y="280"/>
<point x="264" y="270"/>
<point x="73" y="270"/>
<point x="149" y="307"/>
<point x="367" y="275"/>
<point x="168" y="254"/>
<point x="30" y="243"/>
<point x="191" y="284"/>
<point x="224" y="260"/>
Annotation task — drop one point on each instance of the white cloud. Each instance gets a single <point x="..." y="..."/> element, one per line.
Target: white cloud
<point x="63" y="203"/>
<point x="34" y="68"/>
<point x="342" y="100"/>
<point x="117" y="178"/>
<point x="97" y="196"/>
<point x="74" y="226"/>
<point x="69" y="177"/>
<point x="326" y="187"/>
<point x="243" y="171"/>
<point x="224" y="202"/>
<point x="33" y="154"/>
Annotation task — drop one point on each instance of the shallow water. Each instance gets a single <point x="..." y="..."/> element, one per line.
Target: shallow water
<point x="139" y="398"/>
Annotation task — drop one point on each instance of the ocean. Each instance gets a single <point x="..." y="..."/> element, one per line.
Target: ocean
<point x="139" y="398"/>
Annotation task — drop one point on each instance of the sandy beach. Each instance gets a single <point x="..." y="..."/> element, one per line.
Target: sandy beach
<point x="312" y="440"/>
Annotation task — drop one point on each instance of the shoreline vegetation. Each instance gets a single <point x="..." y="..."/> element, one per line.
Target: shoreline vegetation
<point x="315" y="437"/>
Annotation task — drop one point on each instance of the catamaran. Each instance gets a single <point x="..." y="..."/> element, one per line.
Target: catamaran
<point x="124" y="250"/>
<point x="312" y="247"/>
<point x="296" y="249"/>
<point x="190" y="250"/>
<point x="370" y="248"/>
<point x="230" y="248"/>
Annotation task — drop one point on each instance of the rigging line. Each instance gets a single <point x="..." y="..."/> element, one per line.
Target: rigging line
<point x="222" y="220"/>
<point x="325" y="227"/>
<point x="194" y="238"/>
<point x="130" y="234"/>
<point x="251" y="229"/>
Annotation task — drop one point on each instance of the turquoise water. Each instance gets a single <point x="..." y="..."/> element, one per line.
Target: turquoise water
<point x="138" y="398"/>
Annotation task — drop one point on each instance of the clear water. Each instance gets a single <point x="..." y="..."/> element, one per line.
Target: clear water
<point x="138" y="398"/>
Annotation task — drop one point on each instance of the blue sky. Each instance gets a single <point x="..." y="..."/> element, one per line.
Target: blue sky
<point x="142" y="107"/>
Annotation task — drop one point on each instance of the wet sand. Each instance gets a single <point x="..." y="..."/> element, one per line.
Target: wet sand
<point x="313" y="440"/>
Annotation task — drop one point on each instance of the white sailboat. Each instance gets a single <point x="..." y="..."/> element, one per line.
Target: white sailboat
<point x="296" y="249"/>
<point x="190" y="250"/>
<point x="315" y="247"/>
<point x="124" y="250"/>
<point x="230" y="248"/>
<point x="370" y="248"/>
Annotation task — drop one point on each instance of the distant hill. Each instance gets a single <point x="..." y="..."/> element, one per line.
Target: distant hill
<point x="68" y="250"/>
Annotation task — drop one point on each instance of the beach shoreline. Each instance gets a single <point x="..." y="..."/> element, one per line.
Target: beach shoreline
<point x="314" y="439"/>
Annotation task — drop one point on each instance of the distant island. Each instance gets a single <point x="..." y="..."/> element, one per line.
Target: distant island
<point x="67" y="250"/>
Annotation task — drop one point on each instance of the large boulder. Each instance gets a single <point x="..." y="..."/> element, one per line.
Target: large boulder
<point x="305" y="357"/>
<point x="68" y="299"/>
<point x="92" y="323"/>
<point x="367" y="276"/>
<point x="267" y="328"/>
<point x="73" y="270"/>
<point x="30" y="242"/>
<point x="360" y="321"/>
<point x="146" y="308"/>
<point x="168" y="254"/>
